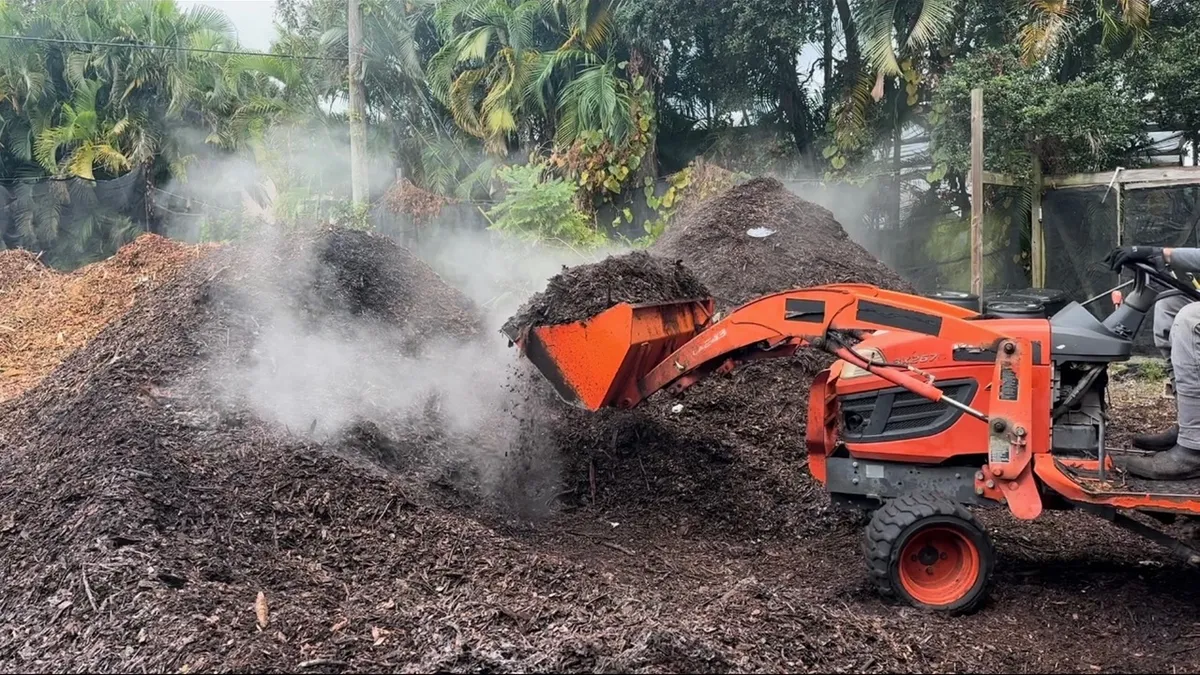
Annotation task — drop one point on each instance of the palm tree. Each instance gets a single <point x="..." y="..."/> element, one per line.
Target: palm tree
<point x="1053" y="19"/>
<point x="505" y="63"/>
<point x="83" y="139"/>
<point x="482" y="71"/>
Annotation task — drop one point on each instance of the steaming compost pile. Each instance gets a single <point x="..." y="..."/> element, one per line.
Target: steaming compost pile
<point x="45" y="314"/>
<point x="732" y="451"/>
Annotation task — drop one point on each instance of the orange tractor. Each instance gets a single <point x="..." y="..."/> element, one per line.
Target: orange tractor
<point x="930" y="408"/>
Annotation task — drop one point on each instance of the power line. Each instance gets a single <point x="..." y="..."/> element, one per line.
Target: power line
<point x="135" y="45"/>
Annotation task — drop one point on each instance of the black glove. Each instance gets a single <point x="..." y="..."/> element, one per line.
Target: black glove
<point x="1128" y="255"/>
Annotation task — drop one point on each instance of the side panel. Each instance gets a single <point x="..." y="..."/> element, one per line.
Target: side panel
<point x="946" y="363"/>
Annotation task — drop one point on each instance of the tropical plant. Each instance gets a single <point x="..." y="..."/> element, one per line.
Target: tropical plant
<point x="541" y="207"/>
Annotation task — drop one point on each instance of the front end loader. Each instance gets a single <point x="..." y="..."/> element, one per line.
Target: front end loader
<point x="930" y="409"/>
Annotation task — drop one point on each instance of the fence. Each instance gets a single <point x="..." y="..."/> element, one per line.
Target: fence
<point x="73" y="221"/>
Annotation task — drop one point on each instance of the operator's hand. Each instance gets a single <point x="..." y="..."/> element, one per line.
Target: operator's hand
<point x="1125" y="255"/>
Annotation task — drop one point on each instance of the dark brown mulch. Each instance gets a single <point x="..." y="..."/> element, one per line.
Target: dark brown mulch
<point x="808" y="247"/>
<point x="583" y="291"/>
<point x="732" y="447"/>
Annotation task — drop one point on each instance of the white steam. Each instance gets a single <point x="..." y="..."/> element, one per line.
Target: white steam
<point x="452" y="407"/>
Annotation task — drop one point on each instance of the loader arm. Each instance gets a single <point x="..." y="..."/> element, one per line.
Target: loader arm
<point x="778" y="324"/>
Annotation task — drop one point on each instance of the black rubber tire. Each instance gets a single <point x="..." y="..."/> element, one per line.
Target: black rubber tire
<point x="898" y="520"/>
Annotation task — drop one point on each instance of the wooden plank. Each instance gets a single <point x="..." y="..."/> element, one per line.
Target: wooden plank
<point x="1159" y="183"/>
<point x="977" y="193"/>
<point x="1120" y="214"/>
<point x="1037" y="245"/>
<point x="1175" y="173"/>
<point x="995" y="178"/>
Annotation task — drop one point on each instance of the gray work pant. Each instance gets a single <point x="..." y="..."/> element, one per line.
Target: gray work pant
<point x="1185" y="362"/>
<point x="1165" y="311"/>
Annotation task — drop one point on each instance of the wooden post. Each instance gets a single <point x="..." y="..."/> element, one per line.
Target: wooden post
<point x="977" y="193"/>
<point x="1037" y="244"/>
<point x="1120" y="214"/>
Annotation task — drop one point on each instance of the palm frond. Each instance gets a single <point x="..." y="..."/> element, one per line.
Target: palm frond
<point x="935" y="17"/>
<point x="876" y="24"/>
<point x="1043" y="33"/>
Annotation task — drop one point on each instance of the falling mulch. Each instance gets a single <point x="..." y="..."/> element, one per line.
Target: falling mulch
<point x="584" y="291"/>
<point x="46" y="314"/>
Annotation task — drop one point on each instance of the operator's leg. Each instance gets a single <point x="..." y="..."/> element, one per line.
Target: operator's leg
<point x="1183" y="460"/>
<point x="1165" y="311"/>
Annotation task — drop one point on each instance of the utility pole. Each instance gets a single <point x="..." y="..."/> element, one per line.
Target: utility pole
<point x="358" y="105"/>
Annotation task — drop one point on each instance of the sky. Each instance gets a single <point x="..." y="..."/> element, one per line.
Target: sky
<point x="254" y="20"/>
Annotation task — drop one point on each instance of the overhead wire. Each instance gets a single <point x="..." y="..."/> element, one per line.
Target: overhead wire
<point x="141" y="45"/>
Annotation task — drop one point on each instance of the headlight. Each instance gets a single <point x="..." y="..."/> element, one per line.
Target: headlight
<point x="850" y="370"/>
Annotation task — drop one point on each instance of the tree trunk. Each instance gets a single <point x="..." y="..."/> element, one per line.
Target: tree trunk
<point x="639" y="64"/>
<point x="358" y="107"/>
<point x="152" y="224"/>
<point x="897" y="148"/>
<point x="853" y="55"/>
<point x="827" y="56"/>
<point x="791" y="101"/>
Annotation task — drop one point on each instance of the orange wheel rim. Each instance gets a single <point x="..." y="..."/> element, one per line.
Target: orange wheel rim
<point x="939" y="565"/>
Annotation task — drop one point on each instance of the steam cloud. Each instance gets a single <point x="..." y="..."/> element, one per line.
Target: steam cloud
<point x="448" y="410"/>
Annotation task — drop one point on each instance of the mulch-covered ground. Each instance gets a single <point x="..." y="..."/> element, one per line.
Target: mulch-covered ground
<point x="144" y="528"/>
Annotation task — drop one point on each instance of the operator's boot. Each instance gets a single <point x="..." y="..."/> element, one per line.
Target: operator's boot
<point x="1157" y="442"/>
<point x="1178" y="463"/>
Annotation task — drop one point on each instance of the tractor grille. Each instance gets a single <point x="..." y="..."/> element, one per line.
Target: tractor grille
<point x="896" y="414"/>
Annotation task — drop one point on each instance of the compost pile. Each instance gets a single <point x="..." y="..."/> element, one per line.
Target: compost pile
<point x="139" y="521"/>
<point x="804" y="245"/>
<point x="48" y="314"/>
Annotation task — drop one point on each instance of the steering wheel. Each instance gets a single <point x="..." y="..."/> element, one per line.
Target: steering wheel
<point x="1143" y="272"/>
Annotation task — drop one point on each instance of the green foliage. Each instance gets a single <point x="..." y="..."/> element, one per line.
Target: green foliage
<point x="1085" y="124"/>
<point x="605" y="164"/>
<point x="508" y="65"/>
<point x="1171" y="71"/>
<point x="541" y="207"/>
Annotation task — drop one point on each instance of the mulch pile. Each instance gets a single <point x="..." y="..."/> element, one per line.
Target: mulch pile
<point x="584" y="291"/>
<point x="731" y="448"/>
<point x="807" y="247"/>
<point x="46" y="314"/>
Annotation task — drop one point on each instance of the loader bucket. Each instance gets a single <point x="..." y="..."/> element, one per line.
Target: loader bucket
<point x="597" y="362"/>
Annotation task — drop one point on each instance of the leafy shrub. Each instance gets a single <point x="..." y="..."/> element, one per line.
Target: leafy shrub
<point x="542" y="207"/>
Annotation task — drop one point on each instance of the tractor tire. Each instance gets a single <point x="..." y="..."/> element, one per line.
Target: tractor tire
<point x="930" y="552"/>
